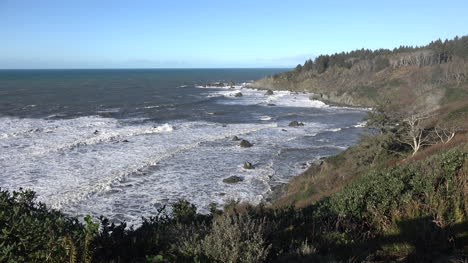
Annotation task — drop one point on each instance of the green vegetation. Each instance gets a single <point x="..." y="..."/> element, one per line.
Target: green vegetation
<point x="437" y="52"/>
<point x="30" y="232"/>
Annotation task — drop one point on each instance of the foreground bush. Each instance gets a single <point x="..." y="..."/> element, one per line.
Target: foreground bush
<point x="30" y="232"/>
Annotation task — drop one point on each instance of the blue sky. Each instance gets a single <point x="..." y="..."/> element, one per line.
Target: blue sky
<point x="186" y="34"/>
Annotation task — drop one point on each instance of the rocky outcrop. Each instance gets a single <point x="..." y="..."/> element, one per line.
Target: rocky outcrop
<point x="269" y="92"/>
<point x="295" y="124"/>
<point x="248" y="165"/>
<point x="216" y="84"/>
<point x="245" y="144"/>
<point x="235" y="138"/>
<point x="315" y="97"/>
<point x="232" y="179"/>
<point x="238" y="94"/>
<point x="319" y="96"/>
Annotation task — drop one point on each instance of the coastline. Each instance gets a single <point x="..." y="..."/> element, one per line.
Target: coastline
<point x="127" y="155"/>
<point x="279" y="191"/>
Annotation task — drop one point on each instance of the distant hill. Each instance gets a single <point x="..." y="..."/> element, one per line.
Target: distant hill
<point x="424" y="78"/>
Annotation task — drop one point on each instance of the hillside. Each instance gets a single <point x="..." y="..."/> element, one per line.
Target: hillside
<point x="427" y="77"/>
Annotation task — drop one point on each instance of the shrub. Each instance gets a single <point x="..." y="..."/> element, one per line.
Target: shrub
<point x="30" y="232"/>
<point x="236" y="238"/>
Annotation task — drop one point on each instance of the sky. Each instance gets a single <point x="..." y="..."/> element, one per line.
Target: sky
<point x="207" y="34"/>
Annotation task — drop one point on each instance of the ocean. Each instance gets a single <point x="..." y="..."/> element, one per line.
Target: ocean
<point x="123" y="143"/>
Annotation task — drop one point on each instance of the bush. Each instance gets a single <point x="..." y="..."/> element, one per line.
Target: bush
<point x="236" y="238"/>
<point x="30" y="232"/>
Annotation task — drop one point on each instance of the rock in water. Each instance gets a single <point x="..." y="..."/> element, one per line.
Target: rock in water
<point x="245" y="144"/>
<point x="315" y="97"/>
<point x="235" y="138"/>
<point x="271" y="104"/>
<point x="232" y="179"/>
<point x="295" y="124"/>
<point x="248" y="165"/>
<point x="238" y="94"/>
<point x="269" y="92"/>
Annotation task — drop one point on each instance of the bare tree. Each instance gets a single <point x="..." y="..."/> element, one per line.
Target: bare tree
<point x="414" y="133"/>
<point x="446" y="131"/>
<point x="460" y="70"/>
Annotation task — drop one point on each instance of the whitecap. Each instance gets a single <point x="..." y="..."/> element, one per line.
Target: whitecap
<point x="265" y="118"/>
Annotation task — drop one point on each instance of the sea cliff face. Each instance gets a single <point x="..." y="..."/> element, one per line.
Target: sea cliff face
<point x="405" y="86"/>
<point x="329" y="97"/>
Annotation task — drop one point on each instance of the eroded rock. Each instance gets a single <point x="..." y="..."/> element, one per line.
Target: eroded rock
<point x="245" y="144"/>
<point x="295" y="124"/>
<point x="232" y="179"/>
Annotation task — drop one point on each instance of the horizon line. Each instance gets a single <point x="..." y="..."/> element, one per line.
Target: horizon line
<point x="276" y="67"/>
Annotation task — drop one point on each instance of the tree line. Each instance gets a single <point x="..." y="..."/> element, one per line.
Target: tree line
<point x="438" y="52"/>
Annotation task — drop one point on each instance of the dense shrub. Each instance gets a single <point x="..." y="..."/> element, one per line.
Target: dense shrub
<point x="236" y="239"/>
<point x="30" y="232"/>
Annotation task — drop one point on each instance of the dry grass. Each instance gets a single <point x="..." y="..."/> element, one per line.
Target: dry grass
<point x="318" y="182"/>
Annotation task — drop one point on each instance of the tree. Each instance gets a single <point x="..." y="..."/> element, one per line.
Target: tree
<point x="413" y="132"/>
<point x="321" y="63"/>
<point x="446" y="131"/>
<point x="298" y="68"/>
<point x="308" y="65"/>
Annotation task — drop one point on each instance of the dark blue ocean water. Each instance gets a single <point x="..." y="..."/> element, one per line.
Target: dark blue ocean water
<point x="122" y="143"/>
<point x="73" y="93"/>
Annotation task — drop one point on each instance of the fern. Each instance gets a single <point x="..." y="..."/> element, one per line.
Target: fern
<point x="70" y="249"/>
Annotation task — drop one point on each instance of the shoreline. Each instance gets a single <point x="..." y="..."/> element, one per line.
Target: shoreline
<point x="279" y="191"/>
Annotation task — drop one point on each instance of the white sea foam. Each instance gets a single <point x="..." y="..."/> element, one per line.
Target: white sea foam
<point x="265" y="118"/>
<point x="360" y="124"/>
<point x="151" y="107"/>
<point x="72" y="165"/>
<point x="258" y="97"/>
<point x="126" y="169"/>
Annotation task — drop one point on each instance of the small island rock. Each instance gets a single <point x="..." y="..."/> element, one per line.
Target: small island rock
<point x="235" y="138"/>
<point x="315" y="97"/>
<point x="269" y="92"/>
<point x="245" y="144"/>
<point x="238" y="94"/>
<point x="232" y="179"/>
<point x="248" y="165"/>
<point x="295" y="124"/>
